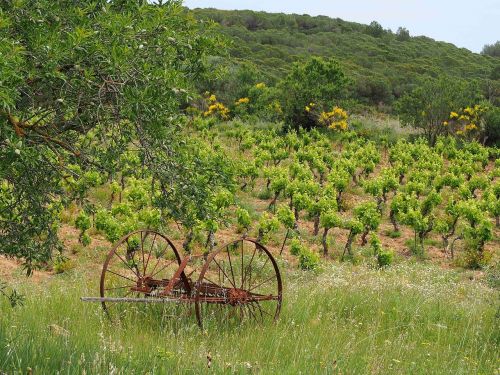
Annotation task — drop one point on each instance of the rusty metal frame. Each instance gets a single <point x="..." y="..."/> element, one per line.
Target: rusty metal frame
<point x="180" y="288"/>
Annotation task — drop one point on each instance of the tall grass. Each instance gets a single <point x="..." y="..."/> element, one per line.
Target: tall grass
<point x="345" y="319"/>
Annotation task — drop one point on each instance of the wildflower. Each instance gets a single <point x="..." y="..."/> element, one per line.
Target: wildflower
<point x="453" y="115"/>
<point x="260" y="85"/>
<point x="336" y="119"/>
<point x="212" y="98"/>
<point x="445" y="123"/>
<point x="242" y="101"/>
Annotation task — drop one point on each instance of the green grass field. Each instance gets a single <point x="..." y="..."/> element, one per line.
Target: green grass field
<point x="343" y="319"/>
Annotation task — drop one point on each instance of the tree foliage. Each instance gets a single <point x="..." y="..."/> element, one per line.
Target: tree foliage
<point x="318" y="81"/>
<point x="492" y="49"/>
<point x="70" y="69"/>
<point x="430" y="104"/>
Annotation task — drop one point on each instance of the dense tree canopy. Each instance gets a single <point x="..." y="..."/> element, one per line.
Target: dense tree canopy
<point x="317" y="83"/>
<point x="117" y="70"/>
<point x="492" y="49"/>
<point x="395" y="62"/>
<point x="429" y="106"/>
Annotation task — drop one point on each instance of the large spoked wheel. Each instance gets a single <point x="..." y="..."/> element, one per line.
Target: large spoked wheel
<point x="239" y="282"/>
<point x="138" y="266"/>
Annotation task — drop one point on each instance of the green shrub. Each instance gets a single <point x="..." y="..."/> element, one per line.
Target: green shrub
<point x="385" y="258"/>
<point x="63" y="264"/>
<point x="308" y="260"/>
<point x="393" y="233"/>
<point x="243" y="219"/>
<point x="264" y="195"/>
<point x="85" y="239"/>
<point x="296" y="248"/>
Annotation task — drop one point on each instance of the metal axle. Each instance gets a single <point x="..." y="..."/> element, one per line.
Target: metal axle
<point x="141" y="300"/>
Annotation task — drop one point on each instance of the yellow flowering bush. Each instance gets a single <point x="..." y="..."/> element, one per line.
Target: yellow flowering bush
<point x="242" y="101"/>
<point x="336" y="119"/>
<point x="466" y="121"/>
<point x="215" y="108"/>
<point x="310" y="107"/>
<point x="275" y="107"/>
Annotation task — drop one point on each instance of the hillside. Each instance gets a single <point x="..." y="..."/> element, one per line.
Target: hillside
<point x="383" y="64"/>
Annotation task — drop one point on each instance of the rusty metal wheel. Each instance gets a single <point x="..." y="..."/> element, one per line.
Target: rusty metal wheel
<point x="137" y="266"/>
<point x="240" y="281"/>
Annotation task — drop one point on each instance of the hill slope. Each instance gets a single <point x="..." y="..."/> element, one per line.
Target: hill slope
<point x="382" y="63"/>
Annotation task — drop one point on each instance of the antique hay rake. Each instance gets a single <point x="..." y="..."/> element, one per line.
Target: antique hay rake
<point x="238" y="281"/>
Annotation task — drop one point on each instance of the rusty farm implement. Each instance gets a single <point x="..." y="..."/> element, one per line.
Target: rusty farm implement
<point x="238" y="281"/>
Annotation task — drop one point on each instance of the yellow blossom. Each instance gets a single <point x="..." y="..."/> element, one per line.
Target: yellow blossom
<point x="243" y="101"/>
<point x="453" y="115"/>
<point x="336" y="119"/>
<point x="217" y="109"/>
<point x="260" y="85"/>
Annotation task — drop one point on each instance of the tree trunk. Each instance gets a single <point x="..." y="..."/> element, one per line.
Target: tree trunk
<point x="421" y="237"/>
<point x="348" y="245"/>
<point x="321" y="179"/>
<point x="122" y="184"/>
<point x="273" y="202"/>
<point x="316" y="225"/>
<point x="363" y="237"/>
<point x="186" y="245"/>
<point x="210" y="244"/>
<point x="296" y="214"/>
<point x="111" y="199"/>
<point x="452" y="247"/>
<point x="324" y="242"/>
<point x="339" y="201"/>
<point x="260" y="235"/>
<point x="392" y="217"/>
<point x="284" y="241"/>
<point x="446" y="243"/>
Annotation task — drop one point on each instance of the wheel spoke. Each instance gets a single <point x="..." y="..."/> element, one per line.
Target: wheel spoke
<point x="231" y="266"/>
<point x="158" y="260"/>
<point x="262" y="283"/>
<point x="123" y="260"/>
<point x="248" y="266"/>
<point x="224" y="273"/>
<point x="149" y="254"/>
<point x="125" y="277"/>
<point x="249" y="306"/>
<point x="242" y="269"/>
<point x="267" y="259"/>
<point x="255" y="279"/>
<point x="142" y="251"/>
<point x="210" y="281"/>
<point x="168" y="264"/>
